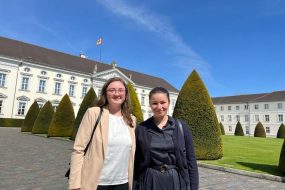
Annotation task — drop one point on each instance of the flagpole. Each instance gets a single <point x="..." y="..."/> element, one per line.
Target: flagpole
<point x="100" y="53"/>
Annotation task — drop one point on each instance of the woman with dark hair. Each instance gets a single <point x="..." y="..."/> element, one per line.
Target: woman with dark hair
<point x="108" y="161"/>
<point x="165" y="158"/>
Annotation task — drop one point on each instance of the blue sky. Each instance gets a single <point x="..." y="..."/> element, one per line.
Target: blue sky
<point x="237" y="47"/>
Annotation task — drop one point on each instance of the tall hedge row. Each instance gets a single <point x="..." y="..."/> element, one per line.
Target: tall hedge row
<point x="259" y="130"/>
<point x="30" y="118"/>
<point x="239" y="130"/>
<point x="135" y="104"/>
<point x="195" y="106"/>
<point x="222" y="128"/>
<point x="282" y="159"/>
<point x="43" y="120"/>
<point x="11" y="122"/>
<point x="281" y="131"/>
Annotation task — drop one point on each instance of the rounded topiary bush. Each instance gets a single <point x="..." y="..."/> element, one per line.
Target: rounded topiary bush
<point x="30" y="118"/>
<point x="89" y="100"/>
<point x="62" y="120"/>
<point x="195" y="106"/>
<point x="281" y="131"/>
<point x="239" y="130"/>
<point x="259" y="130"/>
<point x="43" y="120"/>
<point x="222" y="128"/>
<point x="135" y="104"/>
<point x="282" y="159"/>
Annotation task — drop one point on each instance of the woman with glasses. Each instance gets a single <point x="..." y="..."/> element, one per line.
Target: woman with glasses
<point x="108" y="162"/>
<point x="164" y="158"/>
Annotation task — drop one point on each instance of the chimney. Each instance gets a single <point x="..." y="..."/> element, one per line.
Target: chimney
<point x="130" y="76"/>
<point x="82" y="55"/>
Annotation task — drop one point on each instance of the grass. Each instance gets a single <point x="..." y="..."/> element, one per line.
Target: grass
<point x="251" y="154"/>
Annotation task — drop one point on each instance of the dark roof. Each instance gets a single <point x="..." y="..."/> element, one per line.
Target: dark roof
<point x="250" y="98"/>
<point x="43" y="56"/>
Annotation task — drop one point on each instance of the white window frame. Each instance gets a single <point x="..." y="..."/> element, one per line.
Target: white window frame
<point x="71" y="90"/>
<point x="1" y="105"/>
<point x="267" y="129"/>
<point x="21" y="108"/>
<point x="84" y="91"/>
<point x="143" y="100"/>
<point x="247" y="130"/>
<point x="2" y="79"/>
<point x="266" y="106"/>
<point x="266" y="118"/>
<point x="256" y="106"/>
<point x="279" y="105"/>
<point x="42" y="86"/>
<point x="25" y="83"/>
<point x="222" y="117"/>
<point x="246" y="118"/>
<point x="230" y="128"/>
<point x="280" y="118"/>
<point x="229" y="117"/>
<point x="238" y="117"/>
<point x="256" y="118"/>
<point x="57" y="87"/>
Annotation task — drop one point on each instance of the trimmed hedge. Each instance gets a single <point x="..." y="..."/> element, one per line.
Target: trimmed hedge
<point x="195" y="106"/>
<point x="30" y="118"/>
<point x="281" y="131"/>
<point x="239" y="130"/>
<point x="44" y="119"/>
<point x="259" y="130"/>
<point x="89" y="100"/>
<point x="135" y="104"/>
<point x="10" y="122"/>
<point x="222" y="128"/>
<point x="282" y="159"/>
<point x="63" y="119"/>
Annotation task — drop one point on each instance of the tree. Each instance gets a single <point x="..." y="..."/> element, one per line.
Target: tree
<point x="63" y="119"/>
<point x="281" y="131"/>
<point x="89" y="100"/>
<point x="259" y="130"/>
<point x="239" y="130"/>
<point x="30" y="117"/>
<point x="195" y="106"/>
<point x="44" y="119"/>
<point x="135" y="104"/>
<point x="222" y="128"/>
<point x="282" y="159"/>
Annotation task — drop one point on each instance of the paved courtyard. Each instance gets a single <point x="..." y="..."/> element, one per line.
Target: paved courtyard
<point x="30" y="162"/>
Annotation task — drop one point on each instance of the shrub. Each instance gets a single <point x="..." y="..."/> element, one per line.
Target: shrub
<point x="195" y="106"/>
<point x="281" y="131"/>
<point x="135" y="104"/>
<point x="222" y="128"/>
<point x="10" y="122"/>
<point x="44" y="119"/>
<point x="282" y="159"/>
<point x="30" y="117"/>
<point x="89" y="100"/>
<point x="62" y="120"/>
<point x="259" y="130"/>
<point x="239" y="130"/>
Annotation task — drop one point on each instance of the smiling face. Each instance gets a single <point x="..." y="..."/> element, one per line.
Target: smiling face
<point x="116" y="93"/>
<point x="159" y="104"/>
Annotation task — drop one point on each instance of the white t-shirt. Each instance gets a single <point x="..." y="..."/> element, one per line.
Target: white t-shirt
<point x="116" y="163"/>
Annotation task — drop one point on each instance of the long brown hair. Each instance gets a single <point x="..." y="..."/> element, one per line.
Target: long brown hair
<point x="125" y="107"/>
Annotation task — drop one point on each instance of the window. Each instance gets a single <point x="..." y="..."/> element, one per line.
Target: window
<point x="84" y="91"/>
<point x="222" y="118"/>
<point x="27" y="69"/>
<point x="57" y="88"/>
<point x="72" y="78"/>
<point x="246" y="118"/>
<point x="267" y="129"/>
<point x="266" y="106"/>
<point x="42" y="86"/>
<point x="71" y="90"/>
<point x="54" y="107"/>
<point x="58" y="75"/>
<point x="256" y="106"/>
<point x="238" y="117"/>
<point x="230" y="128"/>
<point x="256" y="117"/>
<point x="25" y="82"/>
<point x="237" y="107"/>
<point x="142" y="100"/>
<point x="1" y="105"/>
<point x="267" y="118"/>
<point x="85" y="80"/>
<point x="279" y="105"/>
<point x="280" y="117"/>
<point x="2" y="79"/>
<point x="229" y="107"/>
<point x="43" y="72"/>
<point x="229" y="118"/>
<point x="246" y="107"/>
<point x="247" y="130"/>
<point x="222" y="108"/>
<point x="21" y="108"/>
<point x="41" y="105"/>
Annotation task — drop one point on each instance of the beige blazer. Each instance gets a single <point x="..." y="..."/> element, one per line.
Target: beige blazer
<point x="85" y="170"/>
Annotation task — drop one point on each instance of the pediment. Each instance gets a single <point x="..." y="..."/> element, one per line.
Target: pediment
<point x="3" y="95"/>
<point x="55" y="102"/>
<point x="23" y="98"/>
<point x="107" y="74"/>
<point x="42" y="100"/>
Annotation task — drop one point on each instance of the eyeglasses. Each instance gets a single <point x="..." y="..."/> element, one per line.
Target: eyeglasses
<point x="113" y="91"/>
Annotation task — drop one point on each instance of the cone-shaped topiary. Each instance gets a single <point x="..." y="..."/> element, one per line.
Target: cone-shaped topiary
<point x="44" y="119"/>
<point x="62" y="120"/>
<point x="195" y="106"/>
<point x="282" y="159"/>
<point x="259" y="130"/>
<point x="89" y="100"/>
<point x="239" y="130"/>
<point x="222" y="128"/>
<point x="30" y="118"/>
<point x="135" y="104"/>
<point x="281" y="131"/>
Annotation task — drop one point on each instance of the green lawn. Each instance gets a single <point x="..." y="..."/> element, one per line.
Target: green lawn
<point x="251" y="154"/>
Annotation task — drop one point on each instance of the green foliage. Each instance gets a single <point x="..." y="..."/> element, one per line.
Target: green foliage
<point x="195" y="106"/>
<point x="239" y="130"/>
<point x="30" y="118"/>
<point x="89" y="100"/>
<point x="281" y="131"/>
<point x="8" y="122"/>
<point x="259" y="130"/>
<point x="63" y="119"/>
<point x="43" y="120"/>
<point x="222" y="128"/>
<point x="282" y="159"/>
<point x="135" y="104"/>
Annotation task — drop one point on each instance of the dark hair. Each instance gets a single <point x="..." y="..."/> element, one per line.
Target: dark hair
<point x="103" y="101"/>
<point x="159" y="89"/>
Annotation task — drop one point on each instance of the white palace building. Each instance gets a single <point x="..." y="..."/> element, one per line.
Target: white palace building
<point x="31" y="73"/>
